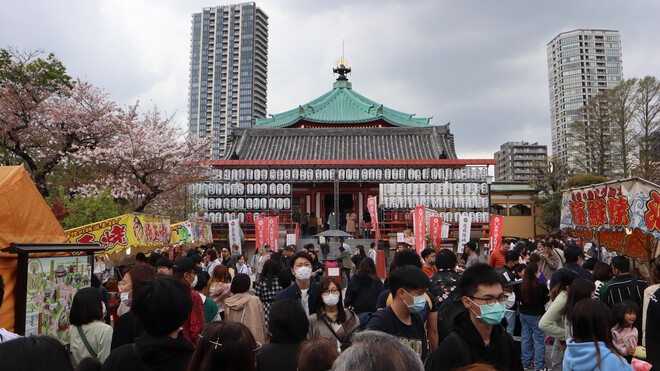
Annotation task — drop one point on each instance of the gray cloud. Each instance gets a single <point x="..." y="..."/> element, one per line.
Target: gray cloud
<point x="479" y="64"/>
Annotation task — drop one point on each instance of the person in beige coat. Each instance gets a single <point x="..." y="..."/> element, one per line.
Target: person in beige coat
<point x="246" y="308"/>
<point x="550" y="260"/>
<point x="331" y="320"/>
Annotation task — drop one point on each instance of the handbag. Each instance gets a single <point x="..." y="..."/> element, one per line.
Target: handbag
<point x="345" y="343"/>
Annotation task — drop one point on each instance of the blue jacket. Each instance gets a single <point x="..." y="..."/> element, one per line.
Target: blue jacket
<point x="293" y="292"/>
<point x="583" y="356"/>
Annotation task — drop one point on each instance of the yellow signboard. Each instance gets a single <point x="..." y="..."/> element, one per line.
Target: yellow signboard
<point x="119" y="233"/>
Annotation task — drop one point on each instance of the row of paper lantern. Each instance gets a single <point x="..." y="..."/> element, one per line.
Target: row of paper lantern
<point x="244" y="203"/>
<point x="455" y="217"/>
<point x="437" y="189"/>
<point x="226" y="217"/>
<point x="466" y="173"/>
<point x="462" y="202"/>
<point x="219" y="189"/>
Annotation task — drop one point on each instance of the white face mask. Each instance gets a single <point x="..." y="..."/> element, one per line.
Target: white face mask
<point x="124" y="296"/>
<point x="194" y="282"/>
<point x="331" y="300"/>
<point x="303" y="273"/>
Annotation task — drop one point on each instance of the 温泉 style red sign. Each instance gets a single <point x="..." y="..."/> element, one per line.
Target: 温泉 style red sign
<point x="496" y="223"/>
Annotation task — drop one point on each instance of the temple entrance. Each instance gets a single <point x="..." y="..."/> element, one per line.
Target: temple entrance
<point x="345" y="203"/>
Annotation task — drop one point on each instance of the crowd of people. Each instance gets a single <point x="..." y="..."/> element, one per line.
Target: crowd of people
<point x="213" y="309"/>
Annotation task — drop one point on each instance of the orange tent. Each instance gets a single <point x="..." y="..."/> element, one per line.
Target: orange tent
<point x="24" y="218"/>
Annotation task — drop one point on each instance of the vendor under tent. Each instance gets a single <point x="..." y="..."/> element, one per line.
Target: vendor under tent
<point x="24" y="218"/>
<point x="122" y="237"/>
<point x="623" y="216"/>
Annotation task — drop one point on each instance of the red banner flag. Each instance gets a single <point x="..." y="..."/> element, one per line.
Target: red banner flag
<point x="435" y="226"/>
<point x="271" y="234"/>
<point x="372" y="206"/>
<point x="496" y="222"/>
<point x="420" y="228"/>
<point x="260" y="231"/>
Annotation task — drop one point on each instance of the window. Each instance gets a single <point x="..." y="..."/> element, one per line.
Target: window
<point x="520" y="210"/>
<point x="498" y="209"/>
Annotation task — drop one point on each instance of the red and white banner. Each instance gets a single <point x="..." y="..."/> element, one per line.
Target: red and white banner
<point x="496" y="223"/>
<point x="464" y="231"/>
<point x="260" y="231"/>
<point x="272" y="232"/>
<point x="419" y="218"/>
<point x="435" y="226"/>
<point x="372" y="206"/>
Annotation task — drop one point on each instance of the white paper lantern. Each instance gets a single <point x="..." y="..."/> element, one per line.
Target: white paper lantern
<point x="318" y="174"/>
<point x="295" y="174"/>
<point x="387" y="174"/>
<point x="280" y="174"/>
<point x="434" y="174"/>
<point x="280" y="189"/>
<point x="240" y="203"/>
<point x="287" y="203"/>
<point x="310" y="174"/>
<point x="272" y="203"/>
<point x="211" y="191"/>
<point x="249" y="174"/>
<point x="256" y="203"/>
<point x="272" y="189"/>
<point x="303" y="175"/>
<point x="257" y="175"/>
<point x="287" y="174"/>
<point x="425" y="174"/>
<point x="341" y="174"/>
<point x="211" y="203"/>
<point x="232" y="204"/>
<point x="263" y="203"/>
<point x="264" y="189"/>
<point x="326" y="174"/>
<point x="402" y="174"/>
<point x="241" y="218"/>
<point x="226" y="174"/>
<point x="395" y="174"/>
<point x="287" y="189"/>
<point x="356" y="174"/>
<point x="364" y="174"/>
<point x="280" y="203"/>
<point x="225" y="203"/>
<point x="372" y="174"/>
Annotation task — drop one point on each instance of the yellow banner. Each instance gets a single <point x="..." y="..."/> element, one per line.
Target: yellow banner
<point x="124" y="231"/>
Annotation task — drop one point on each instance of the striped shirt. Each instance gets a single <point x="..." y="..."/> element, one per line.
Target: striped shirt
<point x="624" y="288"/>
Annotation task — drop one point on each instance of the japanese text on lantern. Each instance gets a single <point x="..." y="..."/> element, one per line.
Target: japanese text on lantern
<point x="652" y="215"/>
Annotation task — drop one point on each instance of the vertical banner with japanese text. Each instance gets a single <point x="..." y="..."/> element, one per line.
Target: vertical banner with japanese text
<point x="260" y="231"/>
<point x="496" y="223"/>
<point x="420" y="228"/>
<point x="372" y="206"/>
<point x="272" y="232"/>
<point x="435" y="226"/>
<point x="235" y="234"/>
<point x="464" y="229"/>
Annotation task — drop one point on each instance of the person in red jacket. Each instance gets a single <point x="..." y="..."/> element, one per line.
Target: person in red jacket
<point x="497" y="257"/>
<point x="184" y="270"/>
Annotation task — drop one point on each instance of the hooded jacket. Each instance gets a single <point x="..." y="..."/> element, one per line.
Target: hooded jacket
<point x="464" y="346"/>
<point x="248" y="310"/>
<point x="362" y="293"/>
<point x="583" y="356"/>
<point x="158" y="353"/>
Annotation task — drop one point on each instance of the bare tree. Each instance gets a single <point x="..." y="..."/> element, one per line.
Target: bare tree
<point x="593" y="137"/>
<point x="622" y="101"/>
<point x="647" y="115"/>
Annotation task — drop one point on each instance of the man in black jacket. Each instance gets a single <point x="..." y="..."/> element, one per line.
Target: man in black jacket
<point x="162" y="305"/>
<point x="478" y="336"/>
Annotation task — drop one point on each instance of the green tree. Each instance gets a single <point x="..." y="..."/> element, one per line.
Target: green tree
<point x="90" y="209"/>
<point x="584" y="180"/>
<point x="548" y="179"/>
<point x="647" y="115"/>
<point x="622" y="103"/>
<point x="592" y="137"/>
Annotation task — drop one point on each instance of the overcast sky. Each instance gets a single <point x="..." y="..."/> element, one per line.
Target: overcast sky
<point x="480" y="65"/>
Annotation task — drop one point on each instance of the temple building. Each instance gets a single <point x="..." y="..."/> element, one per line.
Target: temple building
<point x="333" y="153"/>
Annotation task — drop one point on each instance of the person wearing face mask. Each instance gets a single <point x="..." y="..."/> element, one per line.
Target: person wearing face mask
<point x="184" y="270"/>
<point x="127" y="326"/>
<point x="477" y="335"/>
<point x="401" y="318"/>
<point x="331" y="320"/>
<point x="303" y="288"/>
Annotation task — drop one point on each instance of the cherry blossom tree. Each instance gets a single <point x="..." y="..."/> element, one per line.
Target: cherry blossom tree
<point x="148" y="159"/>
<point x="45" y="117"/>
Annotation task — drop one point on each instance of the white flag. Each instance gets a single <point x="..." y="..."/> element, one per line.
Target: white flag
<point x="235" y="234"/>
<point x="464" y="228"/>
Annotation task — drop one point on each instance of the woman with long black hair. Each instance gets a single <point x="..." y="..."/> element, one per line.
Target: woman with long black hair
<point x="532" y="306"/>
<point x="268" y="286"/>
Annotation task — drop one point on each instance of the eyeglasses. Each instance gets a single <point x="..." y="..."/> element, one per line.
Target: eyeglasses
<point x="492" y="301"/>
<point x="331" y="291"/>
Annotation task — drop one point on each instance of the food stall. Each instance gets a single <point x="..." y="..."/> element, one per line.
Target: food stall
<point x="623" y="216"/>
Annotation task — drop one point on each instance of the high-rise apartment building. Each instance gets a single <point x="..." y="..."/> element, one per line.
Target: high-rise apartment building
<point x="581" y="64"/>
<point x="514" y="160"/>
<point x="228" y="71"/>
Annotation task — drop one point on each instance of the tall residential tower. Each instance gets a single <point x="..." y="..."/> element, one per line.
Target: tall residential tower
<point x="581" y="64"/>
<point x="228" y="71"/>
<point x="514" y="161"/>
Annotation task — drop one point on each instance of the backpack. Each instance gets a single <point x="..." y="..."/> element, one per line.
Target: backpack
<point x="448" y="309"/>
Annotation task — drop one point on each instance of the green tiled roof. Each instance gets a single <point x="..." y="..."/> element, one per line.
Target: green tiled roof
<point x="342" y="105"/>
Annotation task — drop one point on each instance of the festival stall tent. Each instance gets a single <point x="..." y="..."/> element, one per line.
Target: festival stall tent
<point x="622" y="216"/>
<point x="191" y="233"/>
<point x="24" y="218"/>
<point x="122" y="237"/>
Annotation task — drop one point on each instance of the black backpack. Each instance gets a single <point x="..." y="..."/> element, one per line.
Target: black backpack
<point x="448" y="309"/>
<point x="385" y="316"/>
